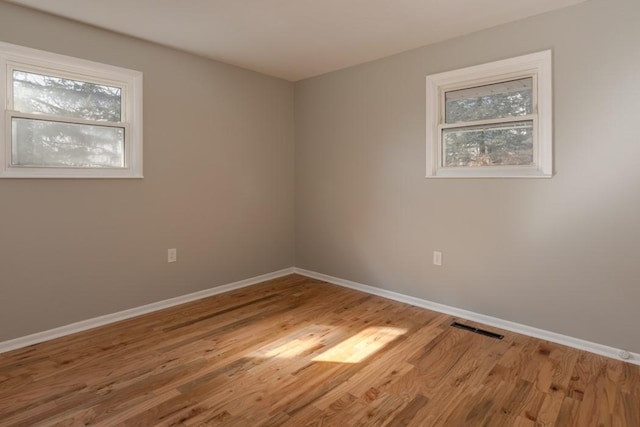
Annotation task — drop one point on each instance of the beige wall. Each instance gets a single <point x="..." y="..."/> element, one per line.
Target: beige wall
<point x="560" y="254"/>
<point x="218" y="166"/>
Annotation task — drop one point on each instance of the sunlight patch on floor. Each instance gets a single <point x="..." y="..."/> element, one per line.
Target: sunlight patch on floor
<point x="291" y="349"/>
<point x="360" y="346"/>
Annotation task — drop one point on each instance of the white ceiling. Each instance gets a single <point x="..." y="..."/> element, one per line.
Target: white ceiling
<point x="295" y="39"/>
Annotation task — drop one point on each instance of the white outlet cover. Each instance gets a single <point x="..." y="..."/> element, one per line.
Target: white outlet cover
<point x="437" y="258"/>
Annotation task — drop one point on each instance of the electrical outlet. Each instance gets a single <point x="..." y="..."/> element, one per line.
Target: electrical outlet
<point x="437" y="258"/>
<point x="172" y="255"/>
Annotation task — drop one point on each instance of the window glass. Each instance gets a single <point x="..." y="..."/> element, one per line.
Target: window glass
<point x="495" y="101"/>
<point x="37" y="93"/>
<point x="55" y="144"/>
<point x="508" y="144"/>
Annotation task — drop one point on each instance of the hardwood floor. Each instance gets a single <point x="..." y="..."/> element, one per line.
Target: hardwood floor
<point x="295" y="352"/>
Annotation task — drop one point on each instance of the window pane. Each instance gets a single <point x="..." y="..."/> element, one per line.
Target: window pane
<point x="498" y="145"/>
<point x="54" y="144"/>
<point x="36" y="93"/>
<point x="506" y="99"/>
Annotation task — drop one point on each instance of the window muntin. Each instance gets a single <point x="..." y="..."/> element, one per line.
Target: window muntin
<point x="66" y="117"/>
<point x="492" y="120"/>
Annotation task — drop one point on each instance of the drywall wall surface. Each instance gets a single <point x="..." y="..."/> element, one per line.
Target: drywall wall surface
<point x="560" y="254"/>
<point x="218" y="186"/>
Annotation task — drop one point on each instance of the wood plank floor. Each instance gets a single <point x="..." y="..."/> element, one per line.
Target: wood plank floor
<point x="296" y="352"/>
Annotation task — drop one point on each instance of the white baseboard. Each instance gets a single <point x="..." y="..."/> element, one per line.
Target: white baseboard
<point x="578" y="343"/>
<point x="133" y="312"/>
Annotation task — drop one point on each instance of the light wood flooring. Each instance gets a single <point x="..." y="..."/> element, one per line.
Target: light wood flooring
<point x="296" y="352"/>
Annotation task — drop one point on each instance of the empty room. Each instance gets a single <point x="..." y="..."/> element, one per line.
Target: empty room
<point x="319" y="213"/>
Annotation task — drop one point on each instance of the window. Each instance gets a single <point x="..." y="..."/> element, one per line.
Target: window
<point x="65" y="117"/>
<point x="491" y="120"/>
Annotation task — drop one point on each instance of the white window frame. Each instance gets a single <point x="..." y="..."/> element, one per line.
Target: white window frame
<point x="47" y="63"/>
<point x="537" y="66"/>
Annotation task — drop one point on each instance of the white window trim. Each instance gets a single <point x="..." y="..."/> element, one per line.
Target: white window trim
<point x="27" y="59"/>
<point x="537" y="65"/>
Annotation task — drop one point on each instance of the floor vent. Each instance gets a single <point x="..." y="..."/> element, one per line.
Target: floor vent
<point x="477" y="331"/>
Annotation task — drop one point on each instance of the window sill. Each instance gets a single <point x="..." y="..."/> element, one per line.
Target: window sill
<point x="35" y="173"/>
<point x="489" y="172"/>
